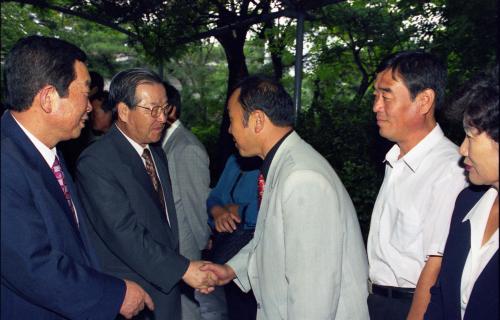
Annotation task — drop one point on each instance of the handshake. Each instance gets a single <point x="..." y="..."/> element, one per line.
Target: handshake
<point x="205" y="275"/>
<point x="201" y="275"/>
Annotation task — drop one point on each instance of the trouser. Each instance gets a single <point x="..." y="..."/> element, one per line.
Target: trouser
<point x="387" y="307"/>
<point x="240" y="305"/>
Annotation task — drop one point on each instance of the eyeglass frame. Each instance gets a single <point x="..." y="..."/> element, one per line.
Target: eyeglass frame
<point x="166" y="109"/>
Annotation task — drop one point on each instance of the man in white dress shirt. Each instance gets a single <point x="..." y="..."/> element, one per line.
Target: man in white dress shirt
<point x="411" y="216"/>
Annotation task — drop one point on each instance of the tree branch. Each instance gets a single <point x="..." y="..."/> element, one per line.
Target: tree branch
<point x="83" y="15"/>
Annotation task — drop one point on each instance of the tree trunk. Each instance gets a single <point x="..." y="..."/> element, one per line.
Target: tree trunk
<point x="233" y="44"/>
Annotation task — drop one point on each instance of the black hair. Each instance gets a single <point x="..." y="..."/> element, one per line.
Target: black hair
<point x="174" y="98"/>
<point x="124" y="83"/>
<point x="419" y="71"/>
<point x="35" y="62"/>
<point x="259" y="92"/>
<point x="96" y="81"/>
<point x="103" y="96"/>
<point x="477" y="101"/>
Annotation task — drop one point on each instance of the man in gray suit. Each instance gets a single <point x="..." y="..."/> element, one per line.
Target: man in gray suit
<point x="124" y="182"/>
<point x="307" y="259"/>
<point x="190" y="176"/>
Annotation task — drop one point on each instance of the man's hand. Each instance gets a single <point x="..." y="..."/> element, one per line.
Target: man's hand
<point x="197" y="278"/>
<point x="223" y="274"/>
<point x="135" y="299"/>
<point x="226" y="218"/>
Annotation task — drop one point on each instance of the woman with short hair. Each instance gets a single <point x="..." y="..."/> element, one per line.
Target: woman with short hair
<point x="467" y="286"/>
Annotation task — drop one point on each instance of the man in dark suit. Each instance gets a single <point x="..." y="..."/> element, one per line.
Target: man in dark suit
<point x="49" y="270"/>
<point x="125" y="186"/>
<point x="188" y="167"/>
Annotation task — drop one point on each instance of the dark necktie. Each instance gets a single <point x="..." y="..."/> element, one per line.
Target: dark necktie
<point x="150" y="168"/>
<point x="58" y="173"/>
<point x="260" y="187"/>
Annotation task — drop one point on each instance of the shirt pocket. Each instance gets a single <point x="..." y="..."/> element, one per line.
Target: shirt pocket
<point x="407" y="231"/>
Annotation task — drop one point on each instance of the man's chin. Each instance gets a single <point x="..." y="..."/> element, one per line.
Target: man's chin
<point x="76" y="133"/>
<point x="244" y="154"/>
<point x="155" y="138"/>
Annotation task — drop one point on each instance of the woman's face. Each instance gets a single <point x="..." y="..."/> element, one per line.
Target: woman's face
<point x="481" y="157"/>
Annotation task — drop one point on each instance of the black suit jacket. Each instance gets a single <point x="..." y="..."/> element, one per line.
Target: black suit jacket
<point x="130" y="229"/>
<point x="445" y="299"/>
<point x="49" y="269"/>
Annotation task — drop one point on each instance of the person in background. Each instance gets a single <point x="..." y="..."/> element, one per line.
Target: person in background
<point x="307" y="258"/>
<point x="232" y="210"/>
<point x="124" y="184"/>
<point x="48" y="265"/>
<point x="188" y="165"/>
<point x="467" y="286"/>
<point x="100" y="119"/>
<point x="98" y="123"/>
<point x="411" y="215"/>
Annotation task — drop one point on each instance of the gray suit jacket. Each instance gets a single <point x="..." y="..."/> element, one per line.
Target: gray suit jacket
<point x="129" y="227"/>
<point x="188" y="166"/>
<point x="307" y="259"/>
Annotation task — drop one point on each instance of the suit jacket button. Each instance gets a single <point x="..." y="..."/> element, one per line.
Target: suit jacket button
<point x="258" y="305"/>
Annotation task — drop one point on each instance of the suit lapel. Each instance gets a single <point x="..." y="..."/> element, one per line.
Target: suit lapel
<point x="166" y="185"/>
<point x="133" y="162"/>
<point x="131" y="159"/>
<point x="270" y="185"/>
<point x="484" y="280"/>
<point x="461" y="254"/>
<point x="80" y="212"/>
<point x="36" y="160"/>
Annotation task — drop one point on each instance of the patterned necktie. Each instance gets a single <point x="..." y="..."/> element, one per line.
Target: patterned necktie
<point x="260" y="187"/>
<point x="150" y="168"/>
<point x="58" y="173"/>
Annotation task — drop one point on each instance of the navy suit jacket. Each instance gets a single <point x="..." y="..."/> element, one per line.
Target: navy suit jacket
<point x="129" y="229"/>
<point x="445" y="299"/>
<point x="48" y="268"/>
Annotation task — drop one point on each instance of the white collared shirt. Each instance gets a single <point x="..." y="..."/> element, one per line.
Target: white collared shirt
<point x="140" y="150"/>
<point x="49" y="155"/>
<point x="412" y="213"/>
<point x="479" y="256"/>
<point x="170" y="130"/>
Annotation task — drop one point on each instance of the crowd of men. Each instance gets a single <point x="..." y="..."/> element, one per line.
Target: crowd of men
<point x="125" y="238"/>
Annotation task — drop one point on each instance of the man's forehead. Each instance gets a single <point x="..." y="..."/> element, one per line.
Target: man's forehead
<point x="388" y="77"/>
<point x="82" y="73"/>
<point x="147" y="92"/>
<point x="234" y="98"/>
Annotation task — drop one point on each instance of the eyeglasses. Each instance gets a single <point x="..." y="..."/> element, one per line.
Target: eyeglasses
<point x="157" y="110"/>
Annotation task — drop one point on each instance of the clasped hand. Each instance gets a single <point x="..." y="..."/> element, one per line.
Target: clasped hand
<point x="226" y="218"/>
<point x="198" y="278"/>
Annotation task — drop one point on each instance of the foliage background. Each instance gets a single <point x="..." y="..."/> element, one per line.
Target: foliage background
<point x="343" y="44"/>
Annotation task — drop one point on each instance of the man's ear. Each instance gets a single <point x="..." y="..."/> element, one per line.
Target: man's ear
<point x="426" y="100"/>
<point x="260" y="120"/>
<point x="47" y="97"/>
<point x="123" y="112"/>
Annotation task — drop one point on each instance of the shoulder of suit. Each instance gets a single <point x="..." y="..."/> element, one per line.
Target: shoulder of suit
<point x="468" y="197"/>
<point x="185" y="138"/>
<point x="105" y="146"/>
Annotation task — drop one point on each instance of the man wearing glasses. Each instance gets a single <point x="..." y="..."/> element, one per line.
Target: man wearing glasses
<point x="125" y="186"/>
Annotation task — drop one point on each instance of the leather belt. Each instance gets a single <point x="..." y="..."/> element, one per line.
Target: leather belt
<point x="392" y="292"/>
